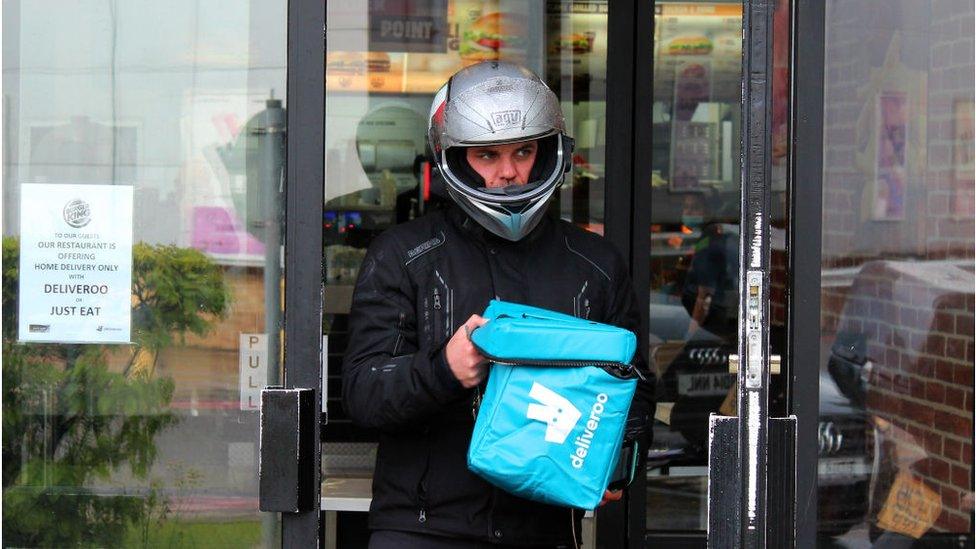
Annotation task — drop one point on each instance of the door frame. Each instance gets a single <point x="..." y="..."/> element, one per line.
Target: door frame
<point x="304" y="194"/>
<point x="804" y="245"/>
<point x="802" y="360"/>
<point x="627" y="215"/>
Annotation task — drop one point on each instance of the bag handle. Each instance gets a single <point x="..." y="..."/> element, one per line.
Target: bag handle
<point x="616" y="369"/>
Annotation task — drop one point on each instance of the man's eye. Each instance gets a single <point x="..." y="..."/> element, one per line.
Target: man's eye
<point x="526" y="152"/>
<point x="486" y="155"/>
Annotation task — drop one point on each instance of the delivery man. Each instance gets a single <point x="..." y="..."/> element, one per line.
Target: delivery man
<point x="498" y="138"/>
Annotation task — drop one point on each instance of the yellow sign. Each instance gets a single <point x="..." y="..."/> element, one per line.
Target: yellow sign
<point x="911" y="507"/>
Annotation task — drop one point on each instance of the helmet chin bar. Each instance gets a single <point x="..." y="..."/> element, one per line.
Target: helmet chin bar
<point x="510" y="190"/>
<point x="502" y="220"/>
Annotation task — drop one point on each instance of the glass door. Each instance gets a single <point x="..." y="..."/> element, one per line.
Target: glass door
<point x="143" y="155"/>
<point x="383" y="63"/>
<point x="694" y="246"/>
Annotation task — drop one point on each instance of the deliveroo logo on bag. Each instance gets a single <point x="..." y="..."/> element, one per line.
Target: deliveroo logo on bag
<point x="558" y="413"/>
<point x="561" y="417"/>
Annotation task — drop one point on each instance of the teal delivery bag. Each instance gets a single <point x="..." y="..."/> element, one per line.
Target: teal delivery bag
<point x="551" y="422"/>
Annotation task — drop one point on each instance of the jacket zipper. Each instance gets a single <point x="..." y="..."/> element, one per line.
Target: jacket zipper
<point x="476" y="402"/>
<point x="491" y="520"/>
<point x="422" y="484"/>
<point x="437" y="334"/>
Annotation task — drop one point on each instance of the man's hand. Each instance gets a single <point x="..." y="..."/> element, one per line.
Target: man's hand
<point x="466" y="363"/>
<point x="611" y="496"/>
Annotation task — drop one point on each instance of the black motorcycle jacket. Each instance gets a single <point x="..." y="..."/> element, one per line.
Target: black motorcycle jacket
<point x="420" y="282"/>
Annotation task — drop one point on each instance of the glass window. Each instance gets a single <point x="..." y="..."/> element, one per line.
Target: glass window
<point x="896" y="379"/>
<point x="694" y="255"/>
<point x="142" y="155"/>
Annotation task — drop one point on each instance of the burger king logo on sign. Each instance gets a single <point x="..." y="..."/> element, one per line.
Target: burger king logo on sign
<point x="77" y="213"/>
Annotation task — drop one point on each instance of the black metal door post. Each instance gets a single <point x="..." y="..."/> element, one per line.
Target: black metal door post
<point x="630" y="58"/>
<point x="291" y="476"/>
<point x="806" y="174"/>
<point x="740" y="514"/>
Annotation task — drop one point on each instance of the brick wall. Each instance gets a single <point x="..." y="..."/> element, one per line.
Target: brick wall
<point x="206" y="368"/>
<point x="888" y="278"/>
<point x="920" y="343"/>
<point x="948" y="207"/>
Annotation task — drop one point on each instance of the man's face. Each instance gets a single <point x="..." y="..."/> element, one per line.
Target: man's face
<point x="503" y="165"/>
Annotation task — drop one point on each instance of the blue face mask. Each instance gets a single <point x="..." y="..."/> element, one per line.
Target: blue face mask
<point x="693" y="221"/>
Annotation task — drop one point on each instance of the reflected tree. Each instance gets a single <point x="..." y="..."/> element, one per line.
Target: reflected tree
<point x="70" y="421"/>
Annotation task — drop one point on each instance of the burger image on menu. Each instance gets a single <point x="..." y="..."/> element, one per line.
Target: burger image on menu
<point x="690" y="45"/>
<point x="378" y="61"/>
<point x="492" y="33"/>
<point x="577" y="42"/>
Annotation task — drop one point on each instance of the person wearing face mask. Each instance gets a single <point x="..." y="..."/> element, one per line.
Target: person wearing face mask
<point x="709" y="284"/>
<point x="497" y="136"/>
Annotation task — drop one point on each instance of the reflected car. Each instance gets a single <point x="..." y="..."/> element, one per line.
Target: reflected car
<point x="696" y="383"/>
<point x="905" y="328"/>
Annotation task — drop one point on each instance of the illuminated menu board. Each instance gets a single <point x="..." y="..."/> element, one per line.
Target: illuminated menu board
<point x="416" y="52"/>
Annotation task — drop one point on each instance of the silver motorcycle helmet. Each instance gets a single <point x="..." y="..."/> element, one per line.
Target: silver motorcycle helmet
<point x="498" y="103"/>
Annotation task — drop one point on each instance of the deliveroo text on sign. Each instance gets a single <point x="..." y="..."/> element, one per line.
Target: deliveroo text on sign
<point x="75" y="263"/>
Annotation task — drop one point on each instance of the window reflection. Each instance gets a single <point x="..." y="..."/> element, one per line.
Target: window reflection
<point x="153" y="443"/>
<point x="694" y="255"/>
<point x="896" y="403"/>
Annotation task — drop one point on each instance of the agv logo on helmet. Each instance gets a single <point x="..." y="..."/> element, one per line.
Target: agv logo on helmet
<point x="506" y="119"/>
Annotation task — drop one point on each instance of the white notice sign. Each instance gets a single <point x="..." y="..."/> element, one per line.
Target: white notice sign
<point x="75" y="263"/>
<point x="254" y="369"/>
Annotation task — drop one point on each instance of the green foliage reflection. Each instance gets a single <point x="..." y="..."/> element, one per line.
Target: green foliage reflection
<point x="70" y="422"/>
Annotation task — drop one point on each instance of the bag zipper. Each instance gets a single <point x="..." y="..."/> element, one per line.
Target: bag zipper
<point x="626" y="371"/>
<point x="476" y="402"/>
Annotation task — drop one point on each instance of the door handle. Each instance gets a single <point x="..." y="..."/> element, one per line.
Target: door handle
<point x="287" y="458"/>
<point x="775" y="364"/>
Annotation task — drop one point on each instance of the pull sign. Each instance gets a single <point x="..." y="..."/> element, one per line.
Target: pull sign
<point x="253" y="369"/>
